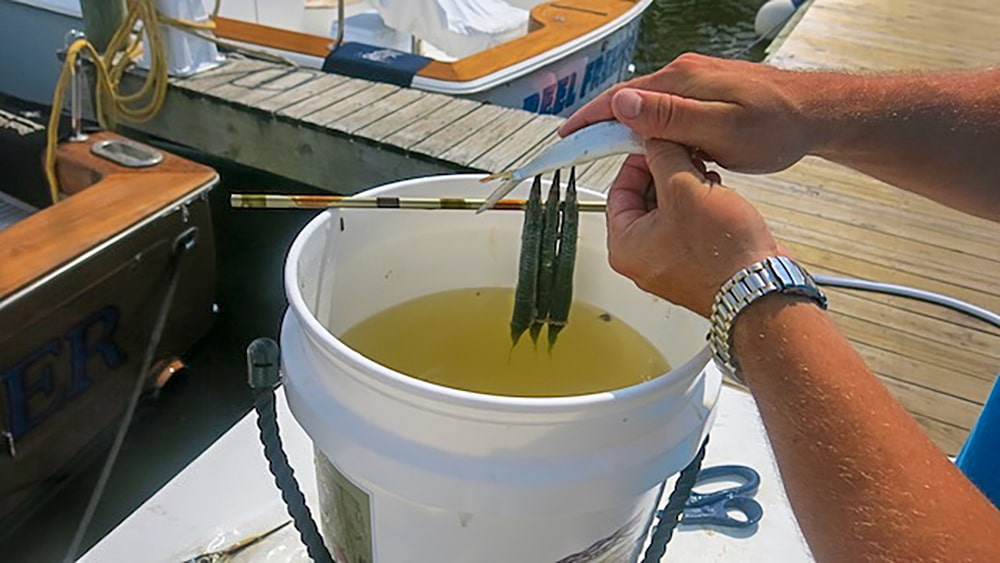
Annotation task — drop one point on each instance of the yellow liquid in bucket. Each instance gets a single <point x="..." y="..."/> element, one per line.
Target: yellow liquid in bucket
<point x="461" y="339"/>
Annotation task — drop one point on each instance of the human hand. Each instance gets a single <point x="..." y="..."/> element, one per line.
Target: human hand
<point x="678" y="233"/>
<point x="744" y="116"/>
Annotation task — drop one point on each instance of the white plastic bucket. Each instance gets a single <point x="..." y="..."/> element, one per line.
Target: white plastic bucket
<point x="415" y="472"/>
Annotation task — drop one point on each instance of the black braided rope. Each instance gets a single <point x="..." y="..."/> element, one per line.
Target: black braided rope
<point x="670" y="517"/>
<point x="284" y="477"/>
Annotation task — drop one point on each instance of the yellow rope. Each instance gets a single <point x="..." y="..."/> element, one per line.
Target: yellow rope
<point x="113" y="105"/>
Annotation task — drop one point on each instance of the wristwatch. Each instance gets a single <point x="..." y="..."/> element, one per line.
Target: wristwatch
<point x="776" y="274"/>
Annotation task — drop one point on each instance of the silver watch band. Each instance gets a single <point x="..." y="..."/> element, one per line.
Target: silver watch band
<point x="773" y="274"/>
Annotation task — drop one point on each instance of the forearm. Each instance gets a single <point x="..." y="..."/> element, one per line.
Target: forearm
<point x="864" y="481"/>
<point x="934" y="134"/>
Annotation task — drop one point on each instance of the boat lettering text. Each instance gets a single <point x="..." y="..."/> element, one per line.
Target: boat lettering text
<point x="600" y="73"/>
<point x="31" y="384"/>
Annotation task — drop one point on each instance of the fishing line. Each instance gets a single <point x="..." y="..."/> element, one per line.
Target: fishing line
<point x="184" y="243"/>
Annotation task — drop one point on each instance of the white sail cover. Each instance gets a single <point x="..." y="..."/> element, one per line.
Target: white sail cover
<point x="457" y="27"/>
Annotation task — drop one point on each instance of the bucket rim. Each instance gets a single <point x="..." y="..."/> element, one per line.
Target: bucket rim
<point x="314" y="329"/>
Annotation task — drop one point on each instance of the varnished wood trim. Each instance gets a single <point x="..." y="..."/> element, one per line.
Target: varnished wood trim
<point x="273" y="37"/>
<point x="123" y="197"/>
<point x="552" y="24"/>
<point x="78" y="168"/>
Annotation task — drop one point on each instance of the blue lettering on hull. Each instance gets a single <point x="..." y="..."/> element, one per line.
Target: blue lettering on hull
<point x="555" y="98"/>
<point x="33" y="394"/>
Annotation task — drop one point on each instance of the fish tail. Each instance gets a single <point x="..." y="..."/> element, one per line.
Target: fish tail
<point x="534" y="330"/>
<point x="515" y="334"/>
<point x="498" y="194"/>
<point x="553" y="334"/>
<point x="498" y="176"/>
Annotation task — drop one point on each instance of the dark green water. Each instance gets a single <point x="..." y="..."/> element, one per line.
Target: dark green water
<point x="200" y="404"/>
<point x="722" y="28"/>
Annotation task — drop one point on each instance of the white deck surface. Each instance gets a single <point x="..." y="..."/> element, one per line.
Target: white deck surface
<point x="227" y="494"/>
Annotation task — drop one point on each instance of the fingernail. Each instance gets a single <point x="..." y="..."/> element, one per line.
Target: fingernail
<point x="628" y="104"/>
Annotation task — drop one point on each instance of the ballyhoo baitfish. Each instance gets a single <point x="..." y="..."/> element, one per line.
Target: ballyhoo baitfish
<point x="607" y="138"/>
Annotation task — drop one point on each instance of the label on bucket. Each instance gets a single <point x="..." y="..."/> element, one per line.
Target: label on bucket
<point x="621" y="545"/>
<point x="345" y="514"/>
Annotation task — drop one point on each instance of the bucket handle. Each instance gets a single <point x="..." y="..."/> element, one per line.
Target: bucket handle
<point x="668" y="519"/>
<point x="264" y="376"/>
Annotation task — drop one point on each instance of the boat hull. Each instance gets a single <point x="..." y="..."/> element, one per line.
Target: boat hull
<point x="81" y="285"/>
<point x="71" y="348"/>
<point x="563" y="86"/>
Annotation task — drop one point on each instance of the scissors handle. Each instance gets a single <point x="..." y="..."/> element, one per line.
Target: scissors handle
<point x="714" y="508"/>
<point x="749" y="477"/>
<point x="717" y="514"/>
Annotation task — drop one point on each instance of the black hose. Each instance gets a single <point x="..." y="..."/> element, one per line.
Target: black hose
<point x="262" y="367"/>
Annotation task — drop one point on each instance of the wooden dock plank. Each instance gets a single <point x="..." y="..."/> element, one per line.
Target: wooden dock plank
<point x="505" y="154"/>
<point x="947" y="436"/>
<point x="434" y="121"/>
<point x="911" y="209"/>
<point x="872" y="271"/>
<point x="252" y="80"/>
<point x="944" y="408"/>
<point x="318" y="86"/>
<point x="861" y="249"/>
<point x="972" y="376"/>
<point x="402" y="117"/>
<point x="466" y="153"/>
<point x="381" y="109"/>
<point x="311" y="105"/>
<point x="827" y="182"/>
<point x="974" y="270"/>
<point x="463" y="128"/>
<point x="351" y="104"/>
<point x="792" y="195"/>
<point x="883" y="35"/>
<point x="546" y="142"/>
<point x="927" y="379"/>
<point x="259" y="86"/>
<point x="231" y="70"/>
<point x="931" y="313"/>
<point x="280" y="144"/>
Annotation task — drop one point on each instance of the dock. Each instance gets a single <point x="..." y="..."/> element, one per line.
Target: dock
<point x="344" y="135"/>
<point x="939" y="364"/>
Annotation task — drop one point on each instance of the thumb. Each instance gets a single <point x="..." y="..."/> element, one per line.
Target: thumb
<point x="663" y="116"/>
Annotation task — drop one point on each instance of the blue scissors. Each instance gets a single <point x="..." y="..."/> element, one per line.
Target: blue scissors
<point x="713" y="508"/>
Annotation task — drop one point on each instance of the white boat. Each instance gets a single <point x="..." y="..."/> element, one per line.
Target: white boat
<point x="542" y="56"/>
